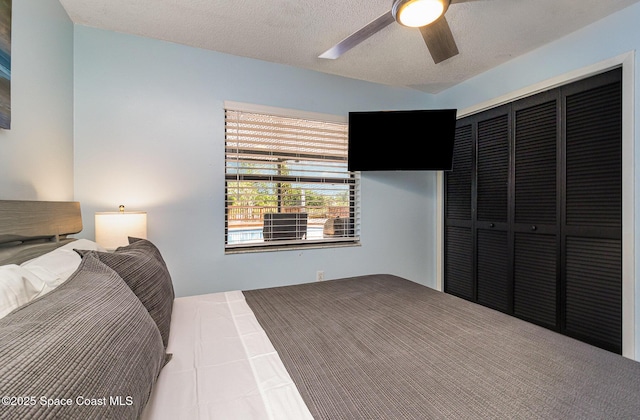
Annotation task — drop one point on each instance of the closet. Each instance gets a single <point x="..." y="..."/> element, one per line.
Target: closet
<point x="533" y="210"/>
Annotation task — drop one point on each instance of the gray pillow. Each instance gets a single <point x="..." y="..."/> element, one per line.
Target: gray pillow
<point x="88" y="349"/>
<point x="146" y="246"/>
<point x="141" y="266"/>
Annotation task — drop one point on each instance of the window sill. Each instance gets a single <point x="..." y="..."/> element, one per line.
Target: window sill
<point x="289" y="247"/>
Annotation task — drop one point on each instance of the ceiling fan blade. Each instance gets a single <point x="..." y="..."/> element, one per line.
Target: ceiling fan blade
<point x="439" y="40"/>
<point x="357" y="37"/>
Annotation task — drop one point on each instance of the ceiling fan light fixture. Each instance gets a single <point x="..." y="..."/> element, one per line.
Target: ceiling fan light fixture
<point x="417" y="13"/>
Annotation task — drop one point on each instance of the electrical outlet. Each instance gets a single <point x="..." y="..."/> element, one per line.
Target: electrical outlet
<point x="319" y="275"/>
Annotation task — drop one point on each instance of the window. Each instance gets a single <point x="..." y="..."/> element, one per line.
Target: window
<point x="286" y="180"/>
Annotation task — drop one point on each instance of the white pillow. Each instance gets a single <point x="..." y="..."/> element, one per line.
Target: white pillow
<point x="17" y="287"/>
<point x="34" y="278"/>
<point x="55" y="267"/>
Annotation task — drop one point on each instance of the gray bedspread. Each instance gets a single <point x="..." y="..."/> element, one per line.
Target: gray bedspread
<point x="382" y="347"/>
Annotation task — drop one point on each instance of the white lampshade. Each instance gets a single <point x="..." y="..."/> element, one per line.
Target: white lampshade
<point x="114" y="228"/>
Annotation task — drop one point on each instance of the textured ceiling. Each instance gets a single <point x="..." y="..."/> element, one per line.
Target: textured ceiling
<point x="295" y="32"/>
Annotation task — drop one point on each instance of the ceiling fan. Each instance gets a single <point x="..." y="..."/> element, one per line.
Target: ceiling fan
<point x="426" y="15"/>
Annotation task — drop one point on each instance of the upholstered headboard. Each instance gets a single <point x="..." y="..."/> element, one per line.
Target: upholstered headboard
<point x="32" y="228"/>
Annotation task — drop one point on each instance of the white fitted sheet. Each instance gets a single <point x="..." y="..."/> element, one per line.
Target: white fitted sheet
<point x="223" y="366"/>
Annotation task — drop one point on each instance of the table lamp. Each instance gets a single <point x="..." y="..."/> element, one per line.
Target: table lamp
<point x="113" y="228"/>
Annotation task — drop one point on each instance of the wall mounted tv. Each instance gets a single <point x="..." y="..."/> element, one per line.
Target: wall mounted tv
<point x="419" y="140"/>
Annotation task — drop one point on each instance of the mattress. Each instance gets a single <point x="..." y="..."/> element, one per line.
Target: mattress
<point x="223" y="366"/>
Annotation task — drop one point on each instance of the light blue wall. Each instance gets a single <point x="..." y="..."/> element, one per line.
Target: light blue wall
<point x="607" y="38"/>
<point x="604" y="41"/>
<point x="36" y="154"/>
<point x="149" y="134"/>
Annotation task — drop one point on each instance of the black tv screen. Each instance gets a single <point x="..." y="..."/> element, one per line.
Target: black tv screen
<point x="416" y="140"/>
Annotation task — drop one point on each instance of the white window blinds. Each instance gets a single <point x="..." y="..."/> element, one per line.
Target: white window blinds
<point x="287" y="182"/>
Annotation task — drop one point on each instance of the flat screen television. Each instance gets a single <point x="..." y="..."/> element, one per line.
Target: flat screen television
<point x="418" y="140"/>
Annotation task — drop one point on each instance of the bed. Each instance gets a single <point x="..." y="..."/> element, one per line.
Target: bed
<point x="100" y="337"/>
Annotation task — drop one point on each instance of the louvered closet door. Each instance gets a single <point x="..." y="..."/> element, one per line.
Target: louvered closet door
<point x="592" y="228"/>
<point x="458" y="234"/>
<point x="492" y="210"/>
<point x="536" y="226"/>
